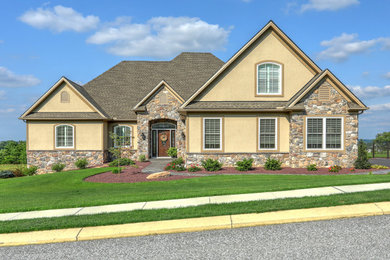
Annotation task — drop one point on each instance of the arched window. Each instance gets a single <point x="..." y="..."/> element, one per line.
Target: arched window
<point x="123" y="133"/>
<point x="65" y="98"/>
<point x="269" y="79"/>
<point x="64" y="135"/>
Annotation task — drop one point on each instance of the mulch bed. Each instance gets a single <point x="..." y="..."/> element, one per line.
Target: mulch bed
<point x="131" y="175"/>
<point x="286" y="170"/>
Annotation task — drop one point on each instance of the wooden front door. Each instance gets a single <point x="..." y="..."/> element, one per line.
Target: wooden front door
<point x="164" y="142"/>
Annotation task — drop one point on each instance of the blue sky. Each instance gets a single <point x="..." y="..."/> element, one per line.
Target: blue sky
<point x="41" y="41"/>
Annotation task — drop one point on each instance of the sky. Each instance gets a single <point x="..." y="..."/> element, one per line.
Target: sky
<point x="41" y="41"/>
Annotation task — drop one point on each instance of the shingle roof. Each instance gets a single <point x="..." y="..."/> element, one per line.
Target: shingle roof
<point x="64" y="115"/>
<point x="120" y="88"/>
<point x="221" y="105"/>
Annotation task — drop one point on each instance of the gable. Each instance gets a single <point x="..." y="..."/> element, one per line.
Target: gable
<point x="64" y="99"/>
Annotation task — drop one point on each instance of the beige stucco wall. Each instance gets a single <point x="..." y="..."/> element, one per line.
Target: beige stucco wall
<point x="240" y="132"/>
<point x="133" y="125"/>
<point x="239" y="82"/>
<point x="88" y="135"/>
<point x="53" y="102"/>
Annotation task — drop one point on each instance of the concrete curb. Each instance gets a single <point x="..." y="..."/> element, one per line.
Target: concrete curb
<point x="194" y="224"/>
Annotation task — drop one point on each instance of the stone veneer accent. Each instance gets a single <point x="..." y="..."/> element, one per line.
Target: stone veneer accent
<point x="45" y="159"/>
<point x="336" y="106"/>
<point x="155" y="111"/>
<point x="230" y="159"/>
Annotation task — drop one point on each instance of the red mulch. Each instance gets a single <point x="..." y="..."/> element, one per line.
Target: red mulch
<point x="131" y="175"/>
<point x="286" y="170"/>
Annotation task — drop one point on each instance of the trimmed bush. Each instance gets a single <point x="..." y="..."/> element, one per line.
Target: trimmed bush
<point x="142" y="158"/>
<point x="312" y="167"/>
<point x="272" y="164"/>
<point x="122" y="162"/>
<point x="30" y="170"/>
<point x="6" y="174"/>
<point x="172" y="152"/>
<point x="244" y="165"/>
<point x="58" y="167"/>
<point x="211" y="165"/>
<point x="81" y="163"/>
<point x="193" y="168"/>
<point x="117" y="170"/>
<point x="362" y="159"/>
<point x="334" y="168"/>
<point x="177" y="165"/>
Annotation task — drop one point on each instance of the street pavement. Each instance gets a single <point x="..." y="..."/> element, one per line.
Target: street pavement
<point x="380" y="161"/>
<point x="353" y="238"/>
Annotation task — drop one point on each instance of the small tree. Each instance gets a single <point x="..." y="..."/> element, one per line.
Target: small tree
<point x="118" y="143"/>
<point x="383" y="141"/>
<point x="362" y="159"/>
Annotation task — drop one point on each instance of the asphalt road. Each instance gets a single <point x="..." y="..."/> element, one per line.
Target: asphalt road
<point x="355" y="238"/>
<point x="380" y="161"/>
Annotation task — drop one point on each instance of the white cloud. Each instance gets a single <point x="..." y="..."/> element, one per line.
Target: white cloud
<point x="341" y="47"/>
<point x="327" y="5"/>
<point x="380" y="107"/>
<point x="10" y="79"/>
<point x="7" y="110"/>
<point x="371" y="91"/>
<point x="2" y="94"/>
<point x="387" y="75"/>
<point x="161" y="37"/>
<point x="59" y="19"/>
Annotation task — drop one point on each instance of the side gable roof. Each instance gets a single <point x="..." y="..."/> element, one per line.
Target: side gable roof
<point x="162" y="84"/>
<point x="325" y="74"/>
<point x="75" y="87"/>
<point x="286" y="40"/>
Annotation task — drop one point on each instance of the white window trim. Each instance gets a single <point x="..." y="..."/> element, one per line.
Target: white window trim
<point x="131" y="136"/>
<point x="276" y="134"/>
<point x="220" y="135"/>
<point x="280" y="79"/>
<point x="55" y="137"/>
<point x="324" y="134"/>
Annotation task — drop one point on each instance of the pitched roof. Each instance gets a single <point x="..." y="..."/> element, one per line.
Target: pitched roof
<point x="63" y="115"/>
<point x="120" y="88"/>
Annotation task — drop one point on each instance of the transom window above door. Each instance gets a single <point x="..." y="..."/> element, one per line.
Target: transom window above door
<point x="269" y="78"/>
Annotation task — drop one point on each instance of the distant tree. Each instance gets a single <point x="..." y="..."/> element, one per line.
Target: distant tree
<point x="12" y="152"/>
<point x="382" y="140"/>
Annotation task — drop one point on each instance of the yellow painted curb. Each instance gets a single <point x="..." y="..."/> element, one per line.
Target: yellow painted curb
<point x="194" y="224"/>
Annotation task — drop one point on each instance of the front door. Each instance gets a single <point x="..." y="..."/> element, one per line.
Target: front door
<point x="164" y="142"/>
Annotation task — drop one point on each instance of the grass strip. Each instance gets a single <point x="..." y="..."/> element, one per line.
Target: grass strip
<point x="192" y="212"/>
<point x="68" y="190"/>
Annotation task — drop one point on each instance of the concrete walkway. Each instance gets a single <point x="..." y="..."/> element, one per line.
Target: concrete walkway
<point x="181" y="203"/>
<point x="157" y="165"/>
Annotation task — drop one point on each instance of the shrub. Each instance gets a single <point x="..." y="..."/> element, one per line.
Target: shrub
<point x="172" y="152"/>
<point x="177" y="165"/>
<point x="244" y="165"/>
<point x="334" y="168"/>
<point x="18" y="172"/>
<point x="142" y="158"/>
<point x="180" y="168"/>
<point x="117" y="170"/>
<point x="81" y="163"/>
<point x="30" y="170"/>
<point x="57" y="167"/>
<point x="362" y="159"/>
<point x="211" y="165"/>
<point x="6" y="174"/>
<point x="122" y="162"/>
<point x="272" y="164"/>
<point x="312" y="167"/>
<point x="376" y="166"/>
<point x="193" y="168"/>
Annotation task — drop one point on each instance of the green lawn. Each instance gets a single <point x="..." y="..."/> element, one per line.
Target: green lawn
<point x="4" y="167"/>
<point x="378" y="155"/>
<point x="191" y="212"/>
<point x="67" y="189"/>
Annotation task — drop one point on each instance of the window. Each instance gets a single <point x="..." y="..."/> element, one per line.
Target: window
<point x="324" y="133"/>
<point x="269" y="79"/>
<point x="65" y="98"/>
<point x="124" y="134"/>
<point x="267" y="134"/>
<point x="64" y="136"/>
<point x="163" y="99"/>
<point x="212" y="133"/>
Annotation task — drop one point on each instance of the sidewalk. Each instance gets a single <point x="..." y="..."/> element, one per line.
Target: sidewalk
<point x="194" y="224"/>
<point x="188" y="202"/>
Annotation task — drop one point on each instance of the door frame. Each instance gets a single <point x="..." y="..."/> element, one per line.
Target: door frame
<point x="169" y="127"/>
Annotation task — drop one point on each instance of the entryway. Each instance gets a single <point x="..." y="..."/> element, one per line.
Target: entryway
<point x="162" y="138"/>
